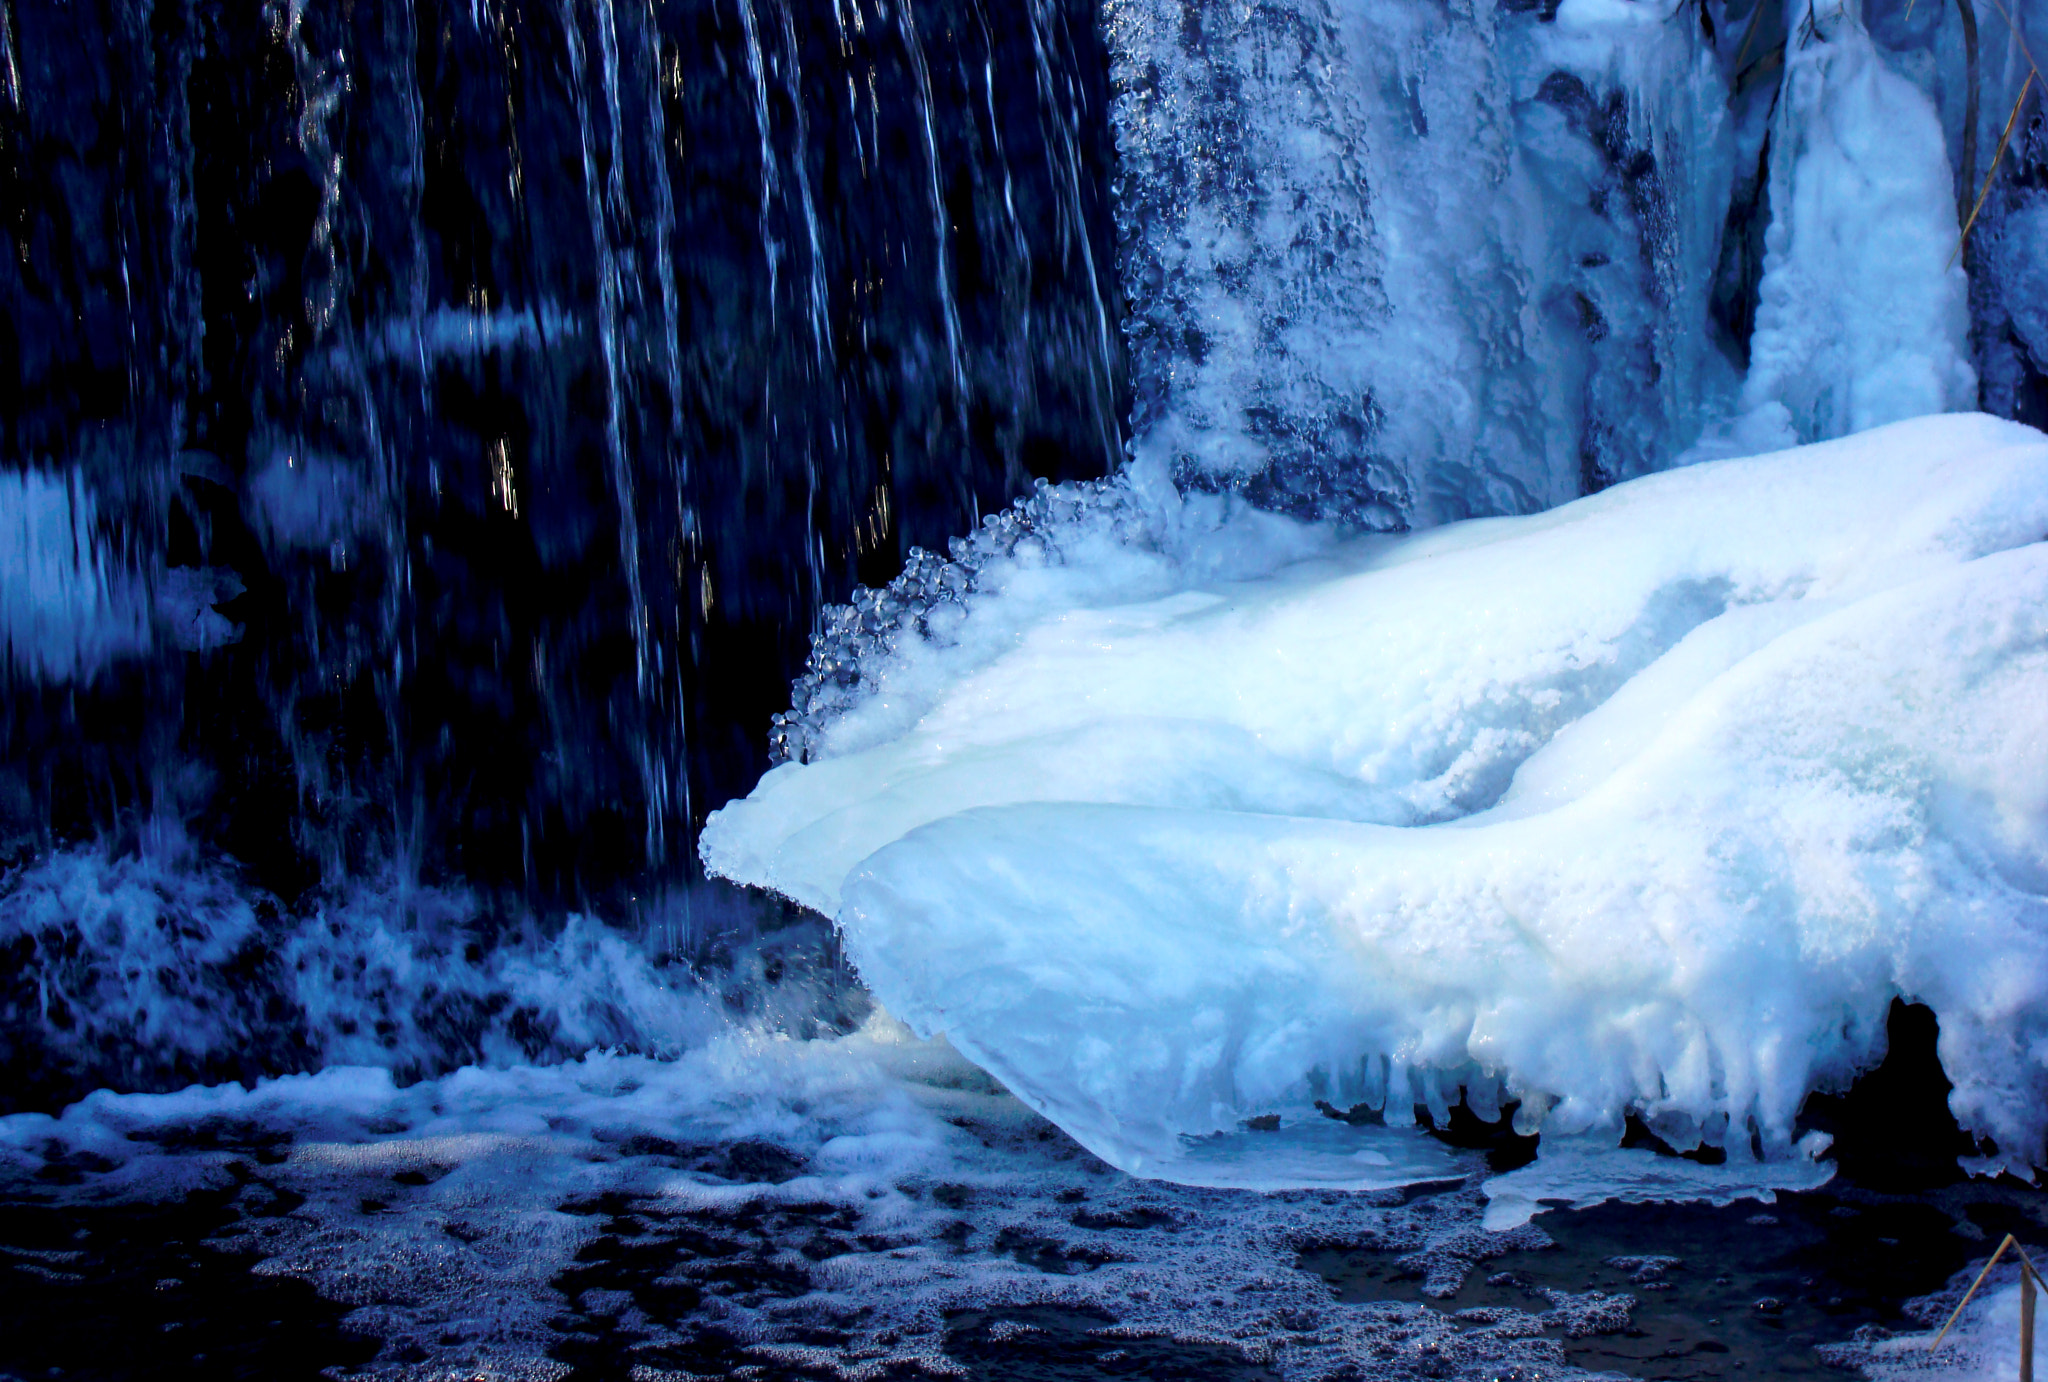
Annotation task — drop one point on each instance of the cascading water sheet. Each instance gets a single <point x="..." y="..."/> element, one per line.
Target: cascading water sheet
<point x="519" y="380"/>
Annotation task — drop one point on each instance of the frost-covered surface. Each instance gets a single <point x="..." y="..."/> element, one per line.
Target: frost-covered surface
<point x="829" y="1205"/>
<point x="1588" y="1170"/>
<point x="2019" y="249"/>
<point x="2010" y="281"/>
<point x="879" y="663"/>
<point x="1864" y="309"/>
<point x="1402" y="263"/>
<point x="1651" y="803"/>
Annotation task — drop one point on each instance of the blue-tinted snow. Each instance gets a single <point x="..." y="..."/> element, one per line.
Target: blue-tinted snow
<point x="1648" y="804"/>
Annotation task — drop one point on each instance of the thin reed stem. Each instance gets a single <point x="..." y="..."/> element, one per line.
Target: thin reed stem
<point x="2010" y="120"/>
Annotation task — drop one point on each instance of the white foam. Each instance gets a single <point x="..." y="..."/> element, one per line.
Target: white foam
<point x="451" y="1216"/>
<point x="141" y="969"/>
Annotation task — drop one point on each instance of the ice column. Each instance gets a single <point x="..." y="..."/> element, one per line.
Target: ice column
<point x="1864" y="312"/>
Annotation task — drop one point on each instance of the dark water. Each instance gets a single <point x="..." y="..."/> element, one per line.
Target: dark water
<point x="1743" y="1290"/>
<point x="142" y="1292"/>
<point x="138" y="1291"/>
<point x="217" y="1244"/>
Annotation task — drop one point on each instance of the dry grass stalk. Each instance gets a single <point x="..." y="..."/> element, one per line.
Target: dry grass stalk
<point x="1966" y="10"/>
<point x="1756" y="14"/>
<point x="2003" y="140"/>
<point x="2029" y="1279"/>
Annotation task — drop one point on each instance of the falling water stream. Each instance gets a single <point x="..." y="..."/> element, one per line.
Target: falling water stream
<point x="519" y="382"/>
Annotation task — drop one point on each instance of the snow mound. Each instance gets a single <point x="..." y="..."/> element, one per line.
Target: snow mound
<point x="1650" y="803"/>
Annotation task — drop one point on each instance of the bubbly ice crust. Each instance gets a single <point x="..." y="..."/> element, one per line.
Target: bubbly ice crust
<point x="1651" y="803"/>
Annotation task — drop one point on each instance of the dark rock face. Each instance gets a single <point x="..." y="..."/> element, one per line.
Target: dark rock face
<point x="514" y="381"/>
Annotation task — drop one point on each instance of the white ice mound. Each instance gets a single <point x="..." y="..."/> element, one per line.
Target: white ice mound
<point x="1650" y="802"/>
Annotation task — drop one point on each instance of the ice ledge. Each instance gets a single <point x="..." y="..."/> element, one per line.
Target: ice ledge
<point x="1651" y="804"/>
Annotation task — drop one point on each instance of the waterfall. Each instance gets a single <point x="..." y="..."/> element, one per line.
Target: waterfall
<point x="514" y="385"/>
<point x="435" y="434"/>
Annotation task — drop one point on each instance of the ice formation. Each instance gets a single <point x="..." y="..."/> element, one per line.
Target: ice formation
<point x="1864" y="314"/>
<point x="1983" y="1345"/>
<point x="1411" y="263"/>
<point x="1650" y="803"/>
<point x="876" y="663"/>
<point x="1407" y="264"/>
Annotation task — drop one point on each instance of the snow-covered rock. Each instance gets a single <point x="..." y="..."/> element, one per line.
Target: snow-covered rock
<point x="1652" y="802"/>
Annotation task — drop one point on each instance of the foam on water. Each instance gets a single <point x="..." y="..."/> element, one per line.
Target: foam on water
<point x="830" y="1205"/>
<point x="151" y="970"/>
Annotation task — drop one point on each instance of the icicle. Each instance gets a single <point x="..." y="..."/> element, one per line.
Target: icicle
<point x="1401" y="1093"/>
<point x="1432" y="1083"/>
<point x="1863" y="319"/>
<point x="1482" y="1096"/>
<point x="1533" y="1112"/>
<point x="1373" y="1083"/>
